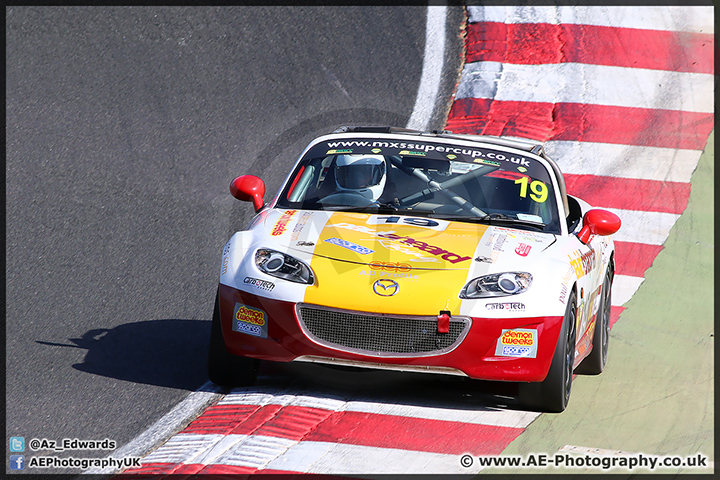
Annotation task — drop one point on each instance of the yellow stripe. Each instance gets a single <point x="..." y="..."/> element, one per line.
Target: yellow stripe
<point x="429" y="265"/>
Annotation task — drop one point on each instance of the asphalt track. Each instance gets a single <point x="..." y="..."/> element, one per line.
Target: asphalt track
<point x="124" y="128"/>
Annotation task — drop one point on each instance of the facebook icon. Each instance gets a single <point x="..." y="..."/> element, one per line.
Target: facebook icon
<point x="17" y="462"/>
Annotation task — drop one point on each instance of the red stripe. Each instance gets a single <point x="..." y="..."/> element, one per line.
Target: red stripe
<point x="390" y="431"/>
<point x="634" y="259"/>
<point x="222" y="419"/>
<point x="271" y="420"/>
<point x="629" y="193"/>
<point x="582" y="122"/>
<point x="615" y="314"/>
<point x="542" y="43"/>
<point x="291" y="422"/>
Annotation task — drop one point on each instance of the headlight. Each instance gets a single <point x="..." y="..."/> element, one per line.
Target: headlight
<point x="283" y="266"/>
<point x="497" y="285"/>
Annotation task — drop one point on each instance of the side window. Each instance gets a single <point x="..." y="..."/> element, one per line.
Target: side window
<point x="575" y="215"/>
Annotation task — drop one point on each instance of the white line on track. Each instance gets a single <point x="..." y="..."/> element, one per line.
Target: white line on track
<point x="624" y="161"/>
<point x="690" y="19"/>
<point x="433" y="61"/>
<point x="624" y="287"/>
<point x="559" y="83"/>
<point x="644" y="227"/>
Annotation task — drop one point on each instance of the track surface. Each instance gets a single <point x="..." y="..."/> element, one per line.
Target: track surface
<point x="124" y="128"/>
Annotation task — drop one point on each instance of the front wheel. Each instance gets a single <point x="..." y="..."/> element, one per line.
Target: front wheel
<point x="225" y="368"/>
<point x="594" y="363"/>
<point x="553" y="393"/>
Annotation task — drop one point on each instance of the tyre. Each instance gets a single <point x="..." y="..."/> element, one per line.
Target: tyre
<point x="553" y="393"/>
<point x="594" y="363"/>
<point x="225" y="368"/>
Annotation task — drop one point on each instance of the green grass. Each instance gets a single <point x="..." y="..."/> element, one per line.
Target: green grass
<point x="656" y="395"/>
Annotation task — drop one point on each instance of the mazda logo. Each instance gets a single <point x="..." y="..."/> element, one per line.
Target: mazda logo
<point x="386" y="287"/>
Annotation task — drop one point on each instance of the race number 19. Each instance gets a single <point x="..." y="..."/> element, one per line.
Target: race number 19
<point x="539" y="189"/>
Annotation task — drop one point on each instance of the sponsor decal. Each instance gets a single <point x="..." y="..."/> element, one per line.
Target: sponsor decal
<point x="583" y="264"/>
<point x="376" y="150"/>
<point x="412" y="221"/>
<point x="436" y="251"/>
<point x="225" y="258"/>
<point x="410" y="152"/>
<point x="451" y="157"/>
<point x="484" y="259"/>
<point x="499" y="242"/>
<point x="250" y="321"/>
<point x="522" y="169"/>
<point x="487" y="162"/>
<point x="390" y="266"/>
<point x="256" y="282"/>
<point x="335" y="151"/>
<point x="421" y="148"/>
<point x="386" y="287"/>
<point x="305" y="244"/>
<point x="563" y="286"/>
<point x="302" y="221"/>
<point x="523" y="249"/>
<point x="497" y="246"/>
<point x="281" y="224"/>
<point x="350" y="246"/>
<point x="519" y="342"/>
<point x="375" y="273"/>
<point x="510" y="306"/>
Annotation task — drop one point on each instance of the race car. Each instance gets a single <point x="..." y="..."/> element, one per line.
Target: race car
<point x="391" y="248"/>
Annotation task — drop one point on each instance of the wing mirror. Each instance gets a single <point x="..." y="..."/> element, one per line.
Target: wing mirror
<point x="249" y="188"/>
<point x="598" y="222"/>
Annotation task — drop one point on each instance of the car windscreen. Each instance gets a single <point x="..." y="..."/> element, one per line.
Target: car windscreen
<point x="453" y="182"/>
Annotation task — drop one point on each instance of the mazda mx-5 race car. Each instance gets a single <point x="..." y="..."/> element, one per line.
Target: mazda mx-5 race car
<point x="425" y="252"/>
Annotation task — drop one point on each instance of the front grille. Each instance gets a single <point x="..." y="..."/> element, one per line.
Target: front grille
<point x="380" y="335"/>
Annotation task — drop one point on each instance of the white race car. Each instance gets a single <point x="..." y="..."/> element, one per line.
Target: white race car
<point x="415" y="251"/>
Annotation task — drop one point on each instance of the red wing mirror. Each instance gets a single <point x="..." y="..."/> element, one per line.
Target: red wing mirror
<point x="598" y="222"/>
<point x="249" y="188"/>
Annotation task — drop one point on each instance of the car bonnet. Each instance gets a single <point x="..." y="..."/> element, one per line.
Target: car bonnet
<point x="396" y="264"/>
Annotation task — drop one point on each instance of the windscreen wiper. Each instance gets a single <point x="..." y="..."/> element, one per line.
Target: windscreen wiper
<point x="371" y="208"/>
<point x="498" y="218"/>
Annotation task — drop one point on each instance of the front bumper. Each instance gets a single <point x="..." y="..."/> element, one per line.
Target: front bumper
<point x="270" y="330"/>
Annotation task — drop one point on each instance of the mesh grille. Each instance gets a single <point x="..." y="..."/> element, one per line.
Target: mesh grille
<point x="379" y="335"/>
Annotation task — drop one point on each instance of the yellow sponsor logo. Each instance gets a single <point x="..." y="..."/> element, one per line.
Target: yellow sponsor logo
<point x="390" y="266"/>
<point x="250" y="315"/>
<point x="281" y="224"/>
<point x="436" y="251"/>
<point x="514" y="337"/>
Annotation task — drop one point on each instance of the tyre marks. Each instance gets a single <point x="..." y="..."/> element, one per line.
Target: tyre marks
<point x="623" y="96"/>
